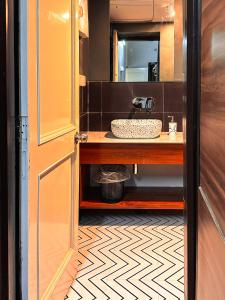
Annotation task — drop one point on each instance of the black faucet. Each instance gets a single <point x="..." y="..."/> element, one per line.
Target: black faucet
<point x="144" y="103"/>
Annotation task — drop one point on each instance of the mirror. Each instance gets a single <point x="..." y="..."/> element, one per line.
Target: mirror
<point x="136" y="40"/>
<point x="146" y="38"/>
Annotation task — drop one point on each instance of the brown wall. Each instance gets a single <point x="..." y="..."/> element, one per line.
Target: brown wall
<point x="178" y="41"/>
<point x="110" y="100"/>
<point x="213" y="106"/>
<point x="211" y="231"/>
<point x="210" y="256"/>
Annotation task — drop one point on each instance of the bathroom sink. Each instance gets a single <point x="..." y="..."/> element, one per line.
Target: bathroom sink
<point x="136" y="129"/>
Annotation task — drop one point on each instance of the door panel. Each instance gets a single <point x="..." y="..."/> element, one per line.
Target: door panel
<point x="210" y="256"/>
<point x="54" y="68"/>
<point x="213" y="106"/>
<point x="54" y="218"/>
<point x="211" y="211"/>
<point x="53" y="99"/>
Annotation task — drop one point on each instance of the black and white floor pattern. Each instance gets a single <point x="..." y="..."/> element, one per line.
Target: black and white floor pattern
<point x="130" y="256"/>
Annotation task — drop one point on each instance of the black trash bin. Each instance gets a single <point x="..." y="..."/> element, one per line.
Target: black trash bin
<point x="112" y="178"/>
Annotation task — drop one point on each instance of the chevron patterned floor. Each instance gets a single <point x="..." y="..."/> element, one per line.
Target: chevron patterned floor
<point x="130" y="256"/>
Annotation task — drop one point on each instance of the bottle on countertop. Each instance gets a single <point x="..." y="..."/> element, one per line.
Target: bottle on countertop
<point x="172" y="126"/>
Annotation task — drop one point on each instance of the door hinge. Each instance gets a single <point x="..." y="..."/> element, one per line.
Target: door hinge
<point x="22" y="129"/>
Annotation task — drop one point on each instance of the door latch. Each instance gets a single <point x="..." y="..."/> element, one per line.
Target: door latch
<point x="80" y="138"/>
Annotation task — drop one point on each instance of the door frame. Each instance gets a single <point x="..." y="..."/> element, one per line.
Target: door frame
<point x="9" y="69"/>
<point x="191" y="140"/>
<point x="9" y="167"/>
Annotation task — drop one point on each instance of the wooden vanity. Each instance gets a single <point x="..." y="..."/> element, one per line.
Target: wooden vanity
<point x="103" y="148"/>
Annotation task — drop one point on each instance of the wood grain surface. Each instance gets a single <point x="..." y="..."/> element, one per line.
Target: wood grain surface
<point x="212" y="127"/>
<point x="210" y="257"/>
<point x="131" y="154"/>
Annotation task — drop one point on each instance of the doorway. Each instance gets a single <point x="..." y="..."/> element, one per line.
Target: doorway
<point x="191" y="135"/>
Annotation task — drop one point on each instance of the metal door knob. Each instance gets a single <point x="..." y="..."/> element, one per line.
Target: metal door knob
<point x="80" y="138"/>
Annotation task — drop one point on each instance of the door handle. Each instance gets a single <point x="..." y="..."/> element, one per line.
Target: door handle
<point x="80" y="138"/>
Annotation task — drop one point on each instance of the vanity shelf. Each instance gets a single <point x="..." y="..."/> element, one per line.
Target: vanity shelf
<point x="102" y="148"/>
<point x="136" y="198"/>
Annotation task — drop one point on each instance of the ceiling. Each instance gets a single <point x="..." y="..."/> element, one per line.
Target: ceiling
<point x="141" y="10"/>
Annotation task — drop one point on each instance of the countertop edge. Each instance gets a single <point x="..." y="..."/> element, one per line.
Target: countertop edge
<point x="99" y="137"/>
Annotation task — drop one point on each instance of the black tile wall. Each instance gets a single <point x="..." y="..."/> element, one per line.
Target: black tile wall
<point x="95" y="94"/>
<point x="84" y="122"/>
<point x="108" y="117"/>
<point x="83" y="100"/>
<point x="84" y="109"/>
<point x="116" y="97"/>
<point x="105" y="101"/>
<point x="95" y="121"/>
<point x="173" y="95"/>
<point x="146" y="90"/>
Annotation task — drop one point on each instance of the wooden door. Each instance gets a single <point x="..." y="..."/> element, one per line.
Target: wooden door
<point x="53" y="90"/>
<point x="211" y="200"/>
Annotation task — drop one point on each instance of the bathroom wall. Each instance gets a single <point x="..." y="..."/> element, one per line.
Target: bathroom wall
<point x="99" y="40"/>
<point x="102" y="102"/>
<point x="113" y="100"/>
<point x="150" y="176"/>
<point x="83" y="108"/>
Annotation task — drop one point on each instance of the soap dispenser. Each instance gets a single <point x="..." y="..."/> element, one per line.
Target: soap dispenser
<point x="172" y="126"/>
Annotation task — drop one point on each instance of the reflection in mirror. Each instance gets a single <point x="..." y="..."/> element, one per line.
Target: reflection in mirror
<point x="138" y="60"/>
<point x="135" y="40"/>
<point x="146" y="40"/>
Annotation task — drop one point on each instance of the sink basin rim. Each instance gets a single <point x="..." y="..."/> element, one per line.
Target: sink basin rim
<point x="142" y="122"/>
<point x="136" y="128"/>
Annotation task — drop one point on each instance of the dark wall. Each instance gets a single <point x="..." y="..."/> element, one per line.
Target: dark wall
<point x="113" y="100"/>
<point x="99" y="40"/>
<point x="84" y="56"/>
<point x="84" y="108"/>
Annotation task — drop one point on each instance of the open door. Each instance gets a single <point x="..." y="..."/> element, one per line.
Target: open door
<point x="53" y="120"/>
<point x="211" y="192"/>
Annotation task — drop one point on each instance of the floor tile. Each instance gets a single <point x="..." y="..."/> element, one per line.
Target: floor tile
<point x="130" y="256"/>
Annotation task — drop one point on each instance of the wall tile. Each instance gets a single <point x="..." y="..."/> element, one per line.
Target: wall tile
<point x="108" y="117"/>
<point x="85" y="99"/>
<point x="117" y="97"/>
<point x="177" y="118"/>
<point x="173" y="96"/>
<point x="95" y="96"/>
<point x="81" y="100"/>
<point x="148" y="116"/>
<point x="84" y="122"/>
<point x="150" y="90"/>
<point x="109" y="100"/>
<point x="95" y="121"/>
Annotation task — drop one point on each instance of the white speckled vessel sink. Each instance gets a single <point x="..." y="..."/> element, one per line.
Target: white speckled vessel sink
<point x="136" y="129"/>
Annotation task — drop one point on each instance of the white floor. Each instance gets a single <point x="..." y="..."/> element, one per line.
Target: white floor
<point x="130" y="256"/>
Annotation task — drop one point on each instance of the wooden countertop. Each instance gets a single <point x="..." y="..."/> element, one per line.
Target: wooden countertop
<point x="108" y="137"/>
